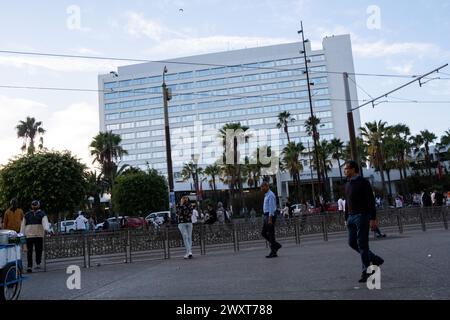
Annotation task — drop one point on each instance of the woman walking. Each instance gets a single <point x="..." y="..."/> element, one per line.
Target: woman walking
<point x="184" y="213"/>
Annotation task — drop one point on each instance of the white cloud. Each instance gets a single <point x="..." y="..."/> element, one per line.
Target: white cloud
<point x="87" y="51"/>
<point x="58" y="64"/>
<point x="403" y="69"/>
<point x="138" y="26"/>
<point x="71" y="128"/>
<point x="378" y="49"/>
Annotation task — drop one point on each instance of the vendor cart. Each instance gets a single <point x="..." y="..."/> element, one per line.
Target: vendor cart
<point x="10" y="271"/>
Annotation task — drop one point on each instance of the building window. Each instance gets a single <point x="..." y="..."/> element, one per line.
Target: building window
<point x="127" y="136"/>
<point x="125" y="115"/>
<point x="130" y="146"/>
<point x="144" y="145"/>
<point x="129" y="157"/>
<point x="127" y="125"/>
<point x="141" y="124"/>
<point x="157" y="122"/>
<point x="143" y="134"/>
<point x="111" y="106"/>
<point x="111" y="127"/>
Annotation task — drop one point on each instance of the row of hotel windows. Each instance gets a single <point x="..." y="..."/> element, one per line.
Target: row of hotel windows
<point x="206" y="138"/>
<point x="211" y="71"/>
<point x="213" y="153"/>
<point x="212" y="115"/>
<point x="230" y="102"/>
<point x="221" y="82"/>
<point x="207" y="94"/>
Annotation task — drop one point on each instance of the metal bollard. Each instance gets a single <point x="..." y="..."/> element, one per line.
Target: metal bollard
<point x="324" y="229"/>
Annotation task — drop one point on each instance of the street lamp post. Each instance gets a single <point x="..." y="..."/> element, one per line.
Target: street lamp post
<point x="314" y="128"/>
<point x="166" y="98"/>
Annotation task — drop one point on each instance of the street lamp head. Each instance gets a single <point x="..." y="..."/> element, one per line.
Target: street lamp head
<point x="300" y="31"/>
<point x="165" y="69"/>
<point x="306" y="40"/>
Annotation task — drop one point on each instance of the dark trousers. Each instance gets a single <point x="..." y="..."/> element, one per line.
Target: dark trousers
<point x="37" y="243"/>
<point x="358" y="239"/>
<point x="268" y="233"/>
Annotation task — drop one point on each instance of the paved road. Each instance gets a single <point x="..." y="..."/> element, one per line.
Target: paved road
<point x="416" y="267"/>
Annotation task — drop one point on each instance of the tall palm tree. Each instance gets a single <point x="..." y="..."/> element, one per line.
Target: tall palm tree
<point x="445" y="139"/>
<point x="28" y="130"/>
<point x="337" y="147"/>
<point x="422" y="143"/>
<point x="284" y="118"/>
<point x="233" y="135"/>
<point x="400" y="146"/>
<point x="214" y="172"/>
<point x="106" y="149"/>
<point x="363" y="155"/>
<point x="374" y="133"/>
<point x="192" y="170"/>
<point x="291" y="161"/>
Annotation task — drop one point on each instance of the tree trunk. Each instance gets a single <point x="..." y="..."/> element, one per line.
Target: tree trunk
<point x="340" y="169"/>
<point x="388" y="173"/>
<point x="287" y="133"/>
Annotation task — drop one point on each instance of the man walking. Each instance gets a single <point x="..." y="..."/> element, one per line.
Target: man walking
<point x="33" y="227"/>
<point x="13" y="217"/>
<point x="360" y="215"/>
<point x="269" y="209"/>
<point x="81" y="222"/>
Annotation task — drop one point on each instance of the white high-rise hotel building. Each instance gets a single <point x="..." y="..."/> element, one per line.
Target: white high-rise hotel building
<point x="250" y="86"/>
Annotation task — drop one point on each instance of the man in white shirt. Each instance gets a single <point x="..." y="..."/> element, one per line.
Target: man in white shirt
<point x="80" y="222"/>
<point x="341" y="208"/>
<point x="194" y="216"/>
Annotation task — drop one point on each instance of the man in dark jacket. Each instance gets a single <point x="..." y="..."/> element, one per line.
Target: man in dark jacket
<point x="360" y="215"/>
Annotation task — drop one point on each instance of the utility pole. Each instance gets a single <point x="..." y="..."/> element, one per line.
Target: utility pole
<point x="314" y="128"/>
<point x="167" y="97"/>
<point x="351" y="125"/>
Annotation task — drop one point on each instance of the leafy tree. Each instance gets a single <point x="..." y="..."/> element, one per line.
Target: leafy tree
<point x="136" y="194"/>
<point x="28" y="130"/>
<point x="56" y="179"/>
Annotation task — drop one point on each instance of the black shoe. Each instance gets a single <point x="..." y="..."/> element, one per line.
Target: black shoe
<point x="378" y="262"/>
<point x="29" y="270"/>
<point x="364" y="278"/>
<point x="272" y="255"/>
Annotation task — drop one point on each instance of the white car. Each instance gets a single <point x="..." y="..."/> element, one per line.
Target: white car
<point x="114" y="224"/>
<point x="67" y="226"/>
<point x="158" y="218"/>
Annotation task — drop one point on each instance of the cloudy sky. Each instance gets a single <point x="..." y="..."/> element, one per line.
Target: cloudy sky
<point x="405" y="38"/>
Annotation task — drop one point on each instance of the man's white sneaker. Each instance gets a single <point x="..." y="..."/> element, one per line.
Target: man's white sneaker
<point x="186" y="256"/>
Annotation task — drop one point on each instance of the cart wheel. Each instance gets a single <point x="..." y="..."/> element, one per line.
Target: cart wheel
<point x="10" y="282"/>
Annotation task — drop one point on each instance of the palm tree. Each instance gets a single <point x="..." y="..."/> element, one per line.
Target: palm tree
<point x="291" y="161"/>
<point x="445" y="139"/>
<point x="28" y="130"/>
<point x="192" y="170"/>
<point x="337" y="146"/>
<point x="425" y="138"/>
<point x="284" y="118"/>
<point x="362" y="153"/>
<point x="374" y="133"/>
<point x="106" y="149"/>
<point x="214" y="172"/>
<point x="399" y="135"/>
<point x="232" y="135"/>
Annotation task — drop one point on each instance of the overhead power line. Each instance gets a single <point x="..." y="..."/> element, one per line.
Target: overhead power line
<point x="58" y="55"/>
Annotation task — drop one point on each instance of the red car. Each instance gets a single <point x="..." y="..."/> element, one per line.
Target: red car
<point x="133" y="223"/>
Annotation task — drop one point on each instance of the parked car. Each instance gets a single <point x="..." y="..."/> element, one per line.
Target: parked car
<point x="123" y="222"/>
<point x="113" y="224"/>
<point x="67" y="226"/>
<point x="158" y="218"/>
<point x="134" y="223"/>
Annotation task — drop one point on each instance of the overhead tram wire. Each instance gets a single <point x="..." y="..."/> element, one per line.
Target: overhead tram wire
<point x="29" y="53"/>
<point x="211" y="95"/>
